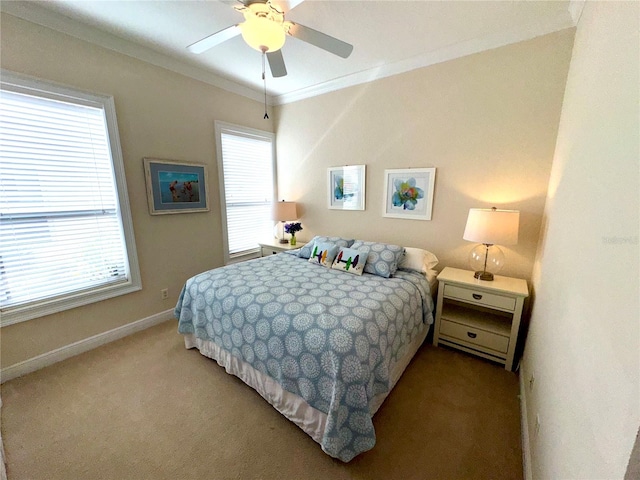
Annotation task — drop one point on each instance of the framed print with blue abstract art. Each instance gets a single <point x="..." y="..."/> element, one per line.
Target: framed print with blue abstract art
<point x="175" y="187"/>
<point x="408" y="193"/>
<point x="346" y="187"/>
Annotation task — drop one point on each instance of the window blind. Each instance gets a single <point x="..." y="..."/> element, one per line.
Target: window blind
<point x="248" y="185"/>
<point x="60" y="227"/>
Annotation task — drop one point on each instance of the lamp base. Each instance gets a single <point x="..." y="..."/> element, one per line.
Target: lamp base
<point x="487" y="276"/>
<point x="486" y="261"/>
<point x="283" y="240"/>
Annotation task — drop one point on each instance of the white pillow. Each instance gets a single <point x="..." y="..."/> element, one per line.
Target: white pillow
<point x="431" y="275"/>
<point x="350" y="260"/>
<point x="323" y="253"/>
<point x="418" y="259"/>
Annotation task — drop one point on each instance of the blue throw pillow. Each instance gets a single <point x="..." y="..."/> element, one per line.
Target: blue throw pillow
<point x="323" y="253"/>
<point x="350" y="260"/>
<point x="383" y="258"/>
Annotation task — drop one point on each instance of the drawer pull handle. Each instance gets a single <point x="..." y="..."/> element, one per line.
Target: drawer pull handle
<point x="477" y="296"/>
<point x="472" y="335"/>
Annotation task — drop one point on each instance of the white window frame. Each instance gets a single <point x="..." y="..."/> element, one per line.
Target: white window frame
<point x="229" y="128"/>
<point x="32" y="86"/>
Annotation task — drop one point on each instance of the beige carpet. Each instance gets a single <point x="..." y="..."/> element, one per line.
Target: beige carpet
<point x="145" y="408"/>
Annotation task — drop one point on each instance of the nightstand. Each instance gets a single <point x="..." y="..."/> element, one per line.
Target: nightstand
<point x="271" y="247"/>
<point x="480" y="317"/>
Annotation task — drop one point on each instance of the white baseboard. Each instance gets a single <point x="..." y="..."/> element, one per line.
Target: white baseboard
<point x="524" y="429"/>
<point x="71" y="350"/>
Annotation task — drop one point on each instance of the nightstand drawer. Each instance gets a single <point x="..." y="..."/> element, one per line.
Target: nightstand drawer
<point x="266" y="251"/>
<point x="479" y="297"/>
<point x="474" y="336"/>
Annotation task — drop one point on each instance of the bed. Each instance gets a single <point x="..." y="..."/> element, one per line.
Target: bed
<point x="322" y="345"/>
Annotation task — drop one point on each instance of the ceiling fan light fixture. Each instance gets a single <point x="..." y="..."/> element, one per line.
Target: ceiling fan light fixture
<point x="266" y="30"/>
<point x="263" y="34"/>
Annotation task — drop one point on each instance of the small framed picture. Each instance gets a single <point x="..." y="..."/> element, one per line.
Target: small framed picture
<point x="346" y="187"/>
<point x="175" y="187"/>
<point x="408" y="193"/>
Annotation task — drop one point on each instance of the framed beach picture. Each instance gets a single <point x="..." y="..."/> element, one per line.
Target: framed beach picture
<point x="408" y="193"/>
<point x="175" y="187"/>
<point x="346" y="187"/>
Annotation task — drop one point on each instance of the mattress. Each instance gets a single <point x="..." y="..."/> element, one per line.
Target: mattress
<point x="324" y="347"/>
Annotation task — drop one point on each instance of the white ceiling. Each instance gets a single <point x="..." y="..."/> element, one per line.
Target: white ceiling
<point x="389" y="37"/>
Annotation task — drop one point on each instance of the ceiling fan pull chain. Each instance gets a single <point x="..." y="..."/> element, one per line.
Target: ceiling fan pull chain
<point x="264" y="78"/>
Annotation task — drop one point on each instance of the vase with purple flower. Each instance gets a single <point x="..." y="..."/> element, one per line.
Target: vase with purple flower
<point x="291" y="229"/>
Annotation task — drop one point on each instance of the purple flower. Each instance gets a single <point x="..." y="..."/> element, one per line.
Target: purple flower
<point x="292" y="228"/>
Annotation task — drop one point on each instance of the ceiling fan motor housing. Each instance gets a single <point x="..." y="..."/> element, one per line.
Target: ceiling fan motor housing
<point x="264" y="27"/>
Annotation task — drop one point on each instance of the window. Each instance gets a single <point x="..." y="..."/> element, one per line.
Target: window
<point x="246" y="164"/>
<point x="66" y="237"/>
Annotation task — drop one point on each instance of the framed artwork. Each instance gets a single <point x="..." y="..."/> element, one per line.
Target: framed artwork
<point x="408" y="193"/>
<point x="175" y="187"/>
<point x="346" y="187"/>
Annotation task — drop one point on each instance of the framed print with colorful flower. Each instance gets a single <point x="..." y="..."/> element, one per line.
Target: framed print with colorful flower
<point x="346" y="187"/>
<point x="408" y="193"/>
<point x="175" y="187"/>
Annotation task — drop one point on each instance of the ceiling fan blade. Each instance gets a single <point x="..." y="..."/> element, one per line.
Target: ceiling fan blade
<point x="214" y="39"/>
<point x="246" y="3"/>
<point x="276" y="63"/>
<point x="321" y="40"/>
<point x="286" y="5"/>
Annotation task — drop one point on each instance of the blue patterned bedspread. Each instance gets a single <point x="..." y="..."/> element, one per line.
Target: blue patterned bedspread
<point x="327" y="336"/>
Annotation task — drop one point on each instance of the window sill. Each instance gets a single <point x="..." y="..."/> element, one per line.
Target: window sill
<point x="244" y="256"/>
<point x="23" y="313"/>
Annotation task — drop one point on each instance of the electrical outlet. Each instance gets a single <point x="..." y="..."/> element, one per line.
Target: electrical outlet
<point x="164" y="293"/>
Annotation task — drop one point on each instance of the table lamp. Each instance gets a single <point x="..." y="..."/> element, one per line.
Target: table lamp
<point x="282" y="212"/>
<point x="490" y="227"/>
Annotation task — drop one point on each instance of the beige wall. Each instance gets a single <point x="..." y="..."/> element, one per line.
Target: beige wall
<point x="160" y="114"/>
<point x="584" y="341"/>
<point x="487" y="122"/>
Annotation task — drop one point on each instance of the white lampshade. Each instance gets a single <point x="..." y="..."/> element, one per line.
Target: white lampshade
<point x="263" y="34"/>
<point x="284" y="211"/>
<point x="492" y="226"/>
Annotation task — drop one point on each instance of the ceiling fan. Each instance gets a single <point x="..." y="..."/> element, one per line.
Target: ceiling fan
<point x="265" y="29"/>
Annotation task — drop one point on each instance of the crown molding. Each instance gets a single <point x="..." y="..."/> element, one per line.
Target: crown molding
<point x="451" y="52"/>
<point x="34" y="13"/>
<point x="41" y="16"/>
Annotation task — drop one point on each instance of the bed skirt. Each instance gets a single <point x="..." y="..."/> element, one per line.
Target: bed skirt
<point x="311" y="420"/>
